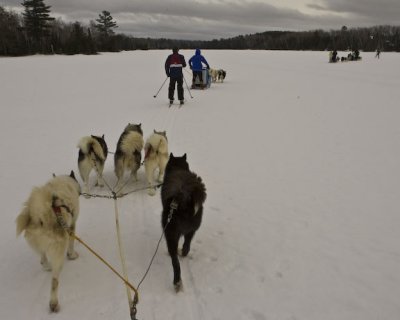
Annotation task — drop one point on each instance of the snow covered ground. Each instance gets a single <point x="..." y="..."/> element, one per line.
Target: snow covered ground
<point x="301" y="163"/>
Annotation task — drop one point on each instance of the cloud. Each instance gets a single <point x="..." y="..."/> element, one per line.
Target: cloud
<point x="214" y="19"/>
<point x="363" y="12"/>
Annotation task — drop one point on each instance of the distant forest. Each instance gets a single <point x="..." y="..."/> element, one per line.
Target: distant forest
<point x="35" y="31"/>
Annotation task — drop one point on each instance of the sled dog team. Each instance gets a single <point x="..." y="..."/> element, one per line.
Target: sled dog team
<point x="217" y="75"/>
<point x="52" y="210"/>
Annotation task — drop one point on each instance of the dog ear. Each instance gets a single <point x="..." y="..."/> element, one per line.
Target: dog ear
<point x="184" y="156"/>
<point x="140" y="125"/>
<point x="72" y="174"/>
<point x="171" y="155"/>
<point x="102" y="136"/>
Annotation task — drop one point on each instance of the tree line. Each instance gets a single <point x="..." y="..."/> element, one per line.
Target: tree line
<point x="35" y="31"/>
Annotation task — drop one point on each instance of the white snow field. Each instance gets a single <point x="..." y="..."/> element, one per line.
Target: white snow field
<point x="301" y="163"/>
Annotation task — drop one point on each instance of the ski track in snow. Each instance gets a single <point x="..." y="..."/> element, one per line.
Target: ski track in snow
<point x="300" y="161"/>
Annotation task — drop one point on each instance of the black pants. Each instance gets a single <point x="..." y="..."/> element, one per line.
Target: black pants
<point x="171" y="89"/>
<point x="197" y="74"/>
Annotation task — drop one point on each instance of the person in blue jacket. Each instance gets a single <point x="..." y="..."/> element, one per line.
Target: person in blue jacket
<point x="173" y="68"/>
<point x="196" y="65"/>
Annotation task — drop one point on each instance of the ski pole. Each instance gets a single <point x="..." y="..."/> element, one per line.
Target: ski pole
<point x="187" y="87"/>
<point x="160" y="88"/>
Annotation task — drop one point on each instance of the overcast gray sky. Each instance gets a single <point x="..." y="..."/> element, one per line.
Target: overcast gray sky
<point x="215" y="19"/>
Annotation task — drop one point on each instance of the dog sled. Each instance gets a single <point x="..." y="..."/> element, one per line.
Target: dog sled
<point x="206" y="81"/>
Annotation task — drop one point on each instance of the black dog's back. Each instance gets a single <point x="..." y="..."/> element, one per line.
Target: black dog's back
<point x="187" y="191"/>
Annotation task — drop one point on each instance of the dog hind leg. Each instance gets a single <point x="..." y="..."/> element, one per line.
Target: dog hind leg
<point x="119" y="170"/>
<point x="84" y="170"/>
<point x="150" y="167"/>
<point x="172" y="244"/>
<point x="45" y="263"/>
<point x="99" y="171"/>
<point x="71" y="253"/>
<point x="56" y="257"/>
<point x="163" y="164"/>
<point x="186" y="244"/>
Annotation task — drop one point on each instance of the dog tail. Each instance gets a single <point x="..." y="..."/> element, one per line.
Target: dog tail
<point x="148" y="148"/>
<point x="156" y="143"/>
<point x="132" y="142"/>
<point x="89" y="144"/>
<point x="189" y="192"/>
<point x="23" y="220"/>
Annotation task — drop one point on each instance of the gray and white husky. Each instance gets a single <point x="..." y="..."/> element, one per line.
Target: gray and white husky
<point x="92" y="155"/>
<point x="128" y="153"/>
<point x="156" y="157"/>
<point x="39" y="219"/>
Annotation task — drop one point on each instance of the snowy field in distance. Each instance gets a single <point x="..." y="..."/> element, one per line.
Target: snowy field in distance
<point x="301" y="163"/>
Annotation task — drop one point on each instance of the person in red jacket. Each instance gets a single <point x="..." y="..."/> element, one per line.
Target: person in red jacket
<point x="173" y="68"/>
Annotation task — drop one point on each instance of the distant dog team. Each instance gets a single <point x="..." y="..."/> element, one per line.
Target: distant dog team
<point x="217" y="75"/>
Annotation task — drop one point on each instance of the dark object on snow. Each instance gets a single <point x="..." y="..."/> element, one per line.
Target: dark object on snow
<point x="173" y="68"/>
<point x="182" y="195"/>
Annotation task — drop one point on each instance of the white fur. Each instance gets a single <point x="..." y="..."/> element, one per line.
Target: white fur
<point x="42" y="231"/>
<point x="90" y="162"/>
<point x="132" y="142"/>
<point x="156" y="157"/>
<point x="214" y="74"/>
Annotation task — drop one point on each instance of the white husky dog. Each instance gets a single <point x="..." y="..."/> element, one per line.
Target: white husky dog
<point x="214" y="74"/>
<point x="128" y="153"/>
<point x="46" y="207"/>
<point x="92" y="155"/>
<point x="156" y="157"/>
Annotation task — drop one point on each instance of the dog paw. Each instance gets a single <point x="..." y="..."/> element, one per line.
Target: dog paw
<point x="151" y="191"/>
<point x="178" y="286"/>
<point x="54" y="306"/>
<point x="184" y="252"/>
<point x="72" y="255"/>
<point x="46" y="266"/>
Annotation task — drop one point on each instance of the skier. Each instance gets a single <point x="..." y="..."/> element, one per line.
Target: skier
<point x="173" y="68"/>
<point x="196" y="65"/>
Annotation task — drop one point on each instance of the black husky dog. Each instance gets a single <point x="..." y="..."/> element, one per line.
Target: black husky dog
<point x="182" y="194"/>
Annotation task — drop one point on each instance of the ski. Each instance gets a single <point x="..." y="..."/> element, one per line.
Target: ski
<point x="181" y="103"/>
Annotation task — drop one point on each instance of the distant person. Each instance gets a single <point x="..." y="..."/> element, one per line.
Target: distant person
<point x="356" y="54"/>
<point x="196" y="65"/>
<point x="334" y="56"/>
<point x="173" y="68"/>
<point x="378" y="53"/>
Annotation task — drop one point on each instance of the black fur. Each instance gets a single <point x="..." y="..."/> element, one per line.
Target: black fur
<point x="188" y="191"/>
<point x="102" y="143"/>
<point x="221" y="75"/>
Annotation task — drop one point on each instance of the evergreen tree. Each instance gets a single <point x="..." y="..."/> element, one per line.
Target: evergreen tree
<point x="36" y="19"/>
<point x="106" y="24"/>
